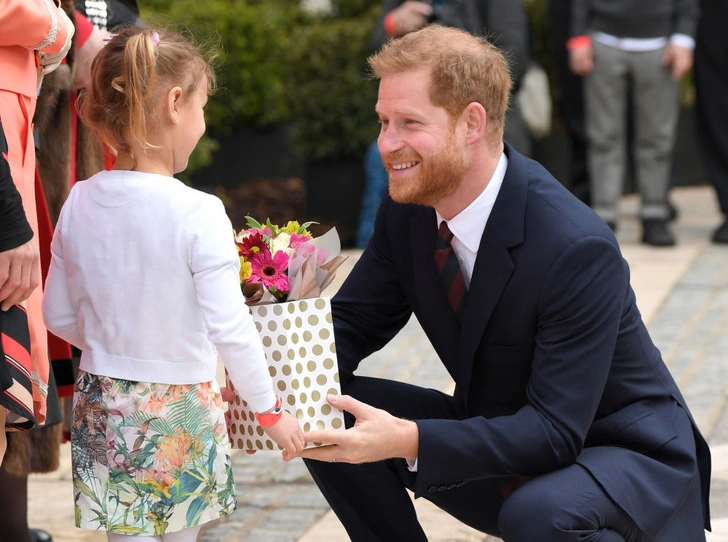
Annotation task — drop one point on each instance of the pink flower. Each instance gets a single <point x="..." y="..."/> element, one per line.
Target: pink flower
<point x="270" y="270"/>
<point x="297" y="239"/>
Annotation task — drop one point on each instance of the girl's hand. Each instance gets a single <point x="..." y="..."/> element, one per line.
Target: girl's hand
<point x="287" y="434"/>
<point x="227" y="394"/>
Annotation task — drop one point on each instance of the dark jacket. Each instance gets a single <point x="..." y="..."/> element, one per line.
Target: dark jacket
<point x="630" y="19"/>
<point x="552" y="362"/>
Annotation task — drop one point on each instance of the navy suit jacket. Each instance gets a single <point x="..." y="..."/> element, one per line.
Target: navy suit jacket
<point x="552" y="362"/>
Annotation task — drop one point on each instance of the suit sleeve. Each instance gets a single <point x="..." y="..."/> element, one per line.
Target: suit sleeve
<point x="370" y="307"/>
<point x="508" y="28"/>
<point x="686" y="17"/>
<point x="35" y="24"/>
<point x="215" y="265"/>
<point x="379" y="36"/>
<point x="579" y="17"/>
<point x="14" y="227"/>
<point x="579" y="314"/>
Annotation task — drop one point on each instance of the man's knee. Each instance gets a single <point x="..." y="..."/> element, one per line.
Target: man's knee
<point x="527" y="516"/>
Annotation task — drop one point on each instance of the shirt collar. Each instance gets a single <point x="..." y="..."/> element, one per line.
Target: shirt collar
<point x="469" y="224"/>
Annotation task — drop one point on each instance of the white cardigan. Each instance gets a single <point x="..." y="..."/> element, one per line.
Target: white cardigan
<point x="144" y="279"/>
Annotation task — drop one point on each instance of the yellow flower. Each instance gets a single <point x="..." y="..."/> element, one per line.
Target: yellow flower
<point x="292" y="227"/>
<point x="245" y="270"/>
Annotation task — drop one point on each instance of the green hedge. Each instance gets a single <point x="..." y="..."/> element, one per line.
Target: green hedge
<point x="331" y="99"/>
<point x="278" y="65"/>
<point x="253" y="43"/>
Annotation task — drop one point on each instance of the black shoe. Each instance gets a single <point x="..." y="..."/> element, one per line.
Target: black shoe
<point x="657" y="233"/>
<point x="721" y="234"/>
<point x="39" y="535"/>
<point x="672" y="212"/>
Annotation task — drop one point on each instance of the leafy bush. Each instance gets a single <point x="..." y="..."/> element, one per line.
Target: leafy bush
<point x="252" y="66"/>
<point x="278" y="65"/>
<point x="331" y="99"/>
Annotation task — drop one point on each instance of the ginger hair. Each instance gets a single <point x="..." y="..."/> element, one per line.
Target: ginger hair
<point x="464" y="69"/>
<point x="129" y="75"/>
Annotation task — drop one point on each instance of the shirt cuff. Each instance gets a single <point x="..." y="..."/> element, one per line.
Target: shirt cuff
<point x="683" y="40"/>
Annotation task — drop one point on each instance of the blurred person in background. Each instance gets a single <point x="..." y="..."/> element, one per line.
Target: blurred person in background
<point x="64" y="150"/>
<point x="711" y="101"/>
<point x="649" y="43"/>
<point x="570" y="99"/>
<point x="35" y="37"/>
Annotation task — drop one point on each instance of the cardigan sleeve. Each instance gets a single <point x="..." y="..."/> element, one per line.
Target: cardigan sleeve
<point x="35" y="24"/>
<point x="58" y="308"/>
<point x="215" y="266"/>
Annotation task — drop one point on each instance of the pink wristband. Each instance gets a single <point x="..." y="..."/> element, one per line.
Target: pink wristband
<point x="390" y="26"/>
<point x="578" y="42"/>
<point x="271" y="418"/>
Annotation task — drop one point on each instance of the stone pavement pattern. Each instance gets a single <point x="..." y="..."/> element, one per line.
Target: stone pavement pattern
<point x="682" y="293"/>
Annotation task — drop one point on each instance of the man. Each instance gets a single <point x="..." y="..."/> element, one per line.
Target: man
<point x="711" y="102"/>
<point x="565" y="423"/>
<point x="648" y="45"/>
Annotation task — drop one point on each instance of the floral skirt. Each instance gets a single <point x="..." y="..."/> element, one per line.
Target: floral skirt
<point x="149" y="459"/>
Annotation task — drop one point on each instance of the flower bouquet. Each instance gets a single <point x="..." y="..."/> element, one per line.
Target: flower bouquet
<point x="283" y="271"/>
<point x="285" y="264"/>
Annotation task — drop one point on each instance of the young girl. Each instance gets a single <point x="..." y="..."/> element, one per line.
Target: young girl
<point x="145" y="280"/>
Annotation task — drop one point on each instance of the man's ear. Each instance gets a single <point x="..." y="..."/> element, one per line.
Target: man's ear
<point x="172" y="104"/>
<point x="475" y="120"/>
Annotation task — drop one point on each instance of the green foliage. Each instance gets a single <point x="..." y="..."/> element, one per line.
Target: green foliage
<point x="252" y="62"/>
<point x="331" y="99"/>
<point x="278" y="65"/>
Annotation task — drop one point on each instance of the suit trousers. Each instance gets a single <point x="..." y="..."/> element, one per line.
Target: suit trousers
<point x="372" y="502"/>
<point x="656" y="107"/>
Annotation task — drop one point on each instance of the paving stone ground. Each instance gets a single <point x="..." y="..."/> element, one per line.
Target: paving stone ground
<point x="682" y="293"/>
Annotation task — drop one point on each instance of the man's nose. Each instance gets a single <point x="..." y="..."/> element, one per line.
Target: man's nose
<point x="389" y="141"/>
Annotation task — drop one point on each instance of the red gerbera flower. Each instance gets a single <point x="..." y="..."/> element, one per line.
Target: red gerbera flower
<point x="249" y="242"/>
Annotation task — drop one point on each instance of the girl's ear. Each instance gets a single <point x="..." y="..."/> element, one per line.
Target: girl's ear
<point x="172" y="104"/>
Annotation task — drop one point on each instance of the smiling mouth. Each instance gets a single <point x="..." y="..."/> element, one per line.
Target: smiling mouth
<point x="404" y="165"/>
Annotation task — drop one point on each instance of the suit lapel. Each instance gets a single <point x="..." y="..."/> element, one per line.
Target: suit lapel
<point x="442" y="327"/>
<point x="493" y="266"/>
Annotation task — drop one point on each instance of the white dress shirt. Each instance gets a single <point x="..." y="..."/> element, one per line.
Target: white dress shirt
<point x="468" y="227"/>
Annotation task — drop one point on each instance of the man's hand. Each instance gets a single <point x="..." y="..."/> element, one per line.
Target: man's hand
<point x="680" y="58"/>
<point x="410" y="16"/>
<point x="376" y="435"/>
<point x="51" y="61"/>
<point x="581" y="60"/>
<point x="19" y="274"/>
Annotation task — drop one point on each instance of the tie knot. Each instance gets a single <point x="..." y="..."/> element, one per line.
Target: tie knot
<point x="444" y="232"/>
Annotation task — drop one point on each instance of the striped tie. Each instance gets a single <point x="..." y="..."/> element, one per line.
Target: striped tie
<point x="449" y="270"/>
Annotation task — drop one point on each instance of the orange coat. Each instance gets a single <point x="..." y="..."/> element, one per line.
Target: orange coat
<point x="27" y="26"/>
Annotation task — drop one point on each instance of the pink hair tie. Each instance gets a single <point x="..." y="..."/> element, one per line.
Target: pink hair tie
<point x="155" y="38"/>
<point x="110" y="37"/>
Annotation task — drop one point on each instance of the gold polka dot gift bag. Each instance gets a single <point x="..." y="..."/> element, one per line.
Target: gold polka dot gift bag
<point x="295" y="327"/>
